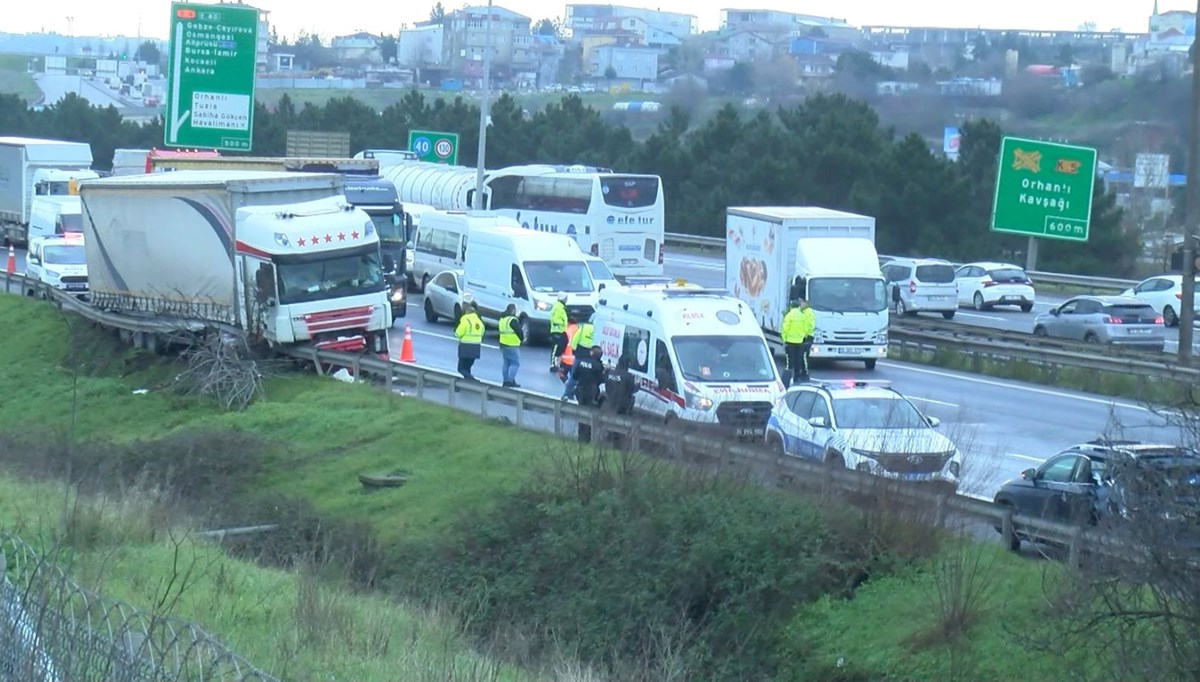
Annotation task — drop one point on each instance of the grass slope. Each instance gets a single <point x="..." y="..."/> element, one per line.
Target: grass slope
<point x="15" y="79"/>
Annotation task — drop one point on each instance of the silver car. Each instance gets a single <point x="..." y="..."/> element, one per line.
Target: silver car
<point x="444" y="296"/>
<point x="1116" y="320"/>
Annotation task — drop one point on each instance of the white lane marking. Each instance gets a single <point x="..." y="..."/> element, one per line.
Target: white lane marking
<point x="1027" y="458"/>
<point x="983" y="317"/>
<point x="1021" y="387"/>
<point x="449" y="337"/>
<point x="695" y="264"/>
<point x="932" y="401"/>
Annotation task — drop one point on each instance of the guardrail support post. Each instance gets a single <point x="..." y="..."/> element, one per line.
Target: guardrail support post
<point x="452" y="391"/>
<point x="1075" y="548"/>
<point x="558" y="418"/>
<point x="357" y="367"/>
<point x="421" y="386"/>
<point x="390" y="379"/>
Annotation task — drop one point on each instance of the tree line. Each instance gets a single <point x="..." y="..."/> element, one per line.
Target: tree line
<point x="828" y="150"/>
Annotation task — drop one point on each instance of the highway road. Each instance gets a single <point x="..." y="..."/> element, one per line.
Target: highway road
<point x="1001" y="426"/>
<point x="709" y="271"/>
<point x="55" y="87"/>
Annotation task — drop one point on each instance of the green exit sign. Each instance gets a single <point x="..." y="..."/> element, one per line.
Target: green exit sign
<point x="1044" y="189"/>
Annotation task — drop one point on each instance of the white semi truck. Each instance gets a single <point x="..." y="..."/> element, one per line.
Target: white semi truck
<point x="774" y="255"/>
<point x="280" y="256"/>
<point x="38" y="181"/>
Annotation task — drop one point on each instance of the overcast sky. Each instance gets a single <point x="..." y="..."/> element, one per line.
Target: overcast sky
<point x="113" y="17"/>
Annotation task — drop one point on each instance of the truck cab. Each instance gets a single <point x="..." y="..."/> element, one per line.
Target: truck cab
<point x="841" y="280"/>
<point x="60" y="262"/>
<point x="376" y="196"/>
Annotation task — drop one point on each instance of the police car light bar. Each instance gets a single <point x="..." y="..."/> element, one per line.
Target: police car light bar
<point x="697" y="291"/>
<point x="856" y="383"/>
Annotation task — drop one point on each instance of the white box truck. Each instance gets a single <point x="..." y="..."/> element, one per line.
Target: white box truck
<point x="279" y="255"/>
<point x="39" y="177"/>
<point x="776" y="254"/>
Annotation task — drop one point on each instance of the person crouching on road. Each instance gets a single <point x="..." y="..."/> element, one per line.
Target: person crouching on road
<point x="589" y="376"/>
<point x="581" y="343"/>
<point x="510" y="346"/>
<point x="797" y="328"/>
<point x="470" y="339"/>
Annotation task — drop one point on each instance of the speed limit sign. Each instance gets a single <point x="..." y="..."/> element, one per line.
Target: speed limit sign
<point x="433" y="146"/>
<point x="443" y="149"/>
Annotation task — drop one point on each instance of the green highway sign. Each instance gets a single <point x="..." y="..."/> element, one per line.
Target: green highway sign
<point x="1044" y="189"/>
<point x="210" y="76"/>
<point x="434" y="146"/>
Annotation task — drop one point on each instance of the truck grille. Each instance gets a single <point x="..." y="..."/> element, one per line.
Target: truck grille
<point x="849" y="337"/>
<point x="74" y="279"/>
<point x="915" y="463"/>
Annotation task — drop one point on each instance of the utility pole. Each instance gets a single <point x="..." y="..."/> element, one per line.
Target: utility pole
<point x="483" y="110"/>
<point x="1191" y="216"/>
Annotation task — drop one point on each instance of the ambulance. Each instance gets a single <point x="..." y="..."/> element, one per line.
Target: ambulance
<point x="696" y="354"/>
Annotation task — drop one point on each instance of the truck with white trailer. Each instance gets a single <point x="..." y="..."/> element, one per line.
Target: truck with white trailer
<point x="281" y="257"/>
<point x="774" y="255"/>
<point x="39" y="177"/>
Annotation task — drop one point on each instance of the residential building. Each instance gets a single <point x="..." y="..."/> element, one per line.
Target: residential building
<point x="465" y="36"/>
<point x="796" y="24"/>
<point x="642" y="31"/>
<point x="357" y="48"/>
<point x="262" y="58"/>
<point x="631" y="64"/>
<point x="582" y="18"/>
<point x="750" y="45"/>
<point x="547" y="55"/>
<point x="421" y="46"/>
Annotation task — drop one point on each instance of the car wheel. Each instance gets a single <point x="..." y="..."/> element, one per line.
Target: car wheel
<point x="834" y="459"/>
<point x="978" y="301"/>
<point x="900" y="309"/>
<point x="1040" y="331"/>
<point x="1091" y="338"/>
<point x="526" y="330"/>
<point x="1014" y="543"/>
<point x="776" y="444"/>
<point x="1026" y="307"/>
<point x="424" y="282"/>
<point x="870" y="363"/>
<point x="430" y="316"/>
<point x="457" y="313"/>
<point x="948" y="314"/>
<point x="1170" y="319"/>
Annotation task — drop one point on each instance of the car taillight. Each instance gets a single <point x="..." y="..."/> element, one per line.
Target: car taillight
<point x="1112" y="320"/>
<point x="661" y="251"/>
<point x="912" y="287"/>
<point x="988" y="283"/>
<point x="1158" y="320"/>
<point x="1179" y="295"/>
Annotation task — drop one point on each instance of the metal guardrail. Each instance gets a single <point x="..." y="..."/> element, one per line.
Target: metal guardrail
<point x="1086" y="282"/>
<point x="684" y="443"/>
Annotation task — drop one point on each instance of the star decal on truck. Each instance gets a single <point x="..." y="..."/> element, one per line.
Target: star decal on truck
<point x="300" y="241"/>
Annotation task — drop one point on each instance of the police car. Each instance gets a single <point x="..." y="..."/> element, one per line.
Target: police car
<point x="60" y="262"/>
<point x="862" y="425"/>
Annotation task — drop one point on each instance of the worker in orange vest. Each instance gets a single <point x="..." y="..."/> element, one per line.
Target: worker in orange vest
<point x="567" y="360"/>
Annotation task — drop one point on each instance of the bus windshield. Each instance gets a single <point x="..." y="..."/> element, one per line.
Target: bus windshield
<point x="724" y="358"/>
<point x="559" y="275"/>
<point x="629" y="191"/>
<point x="847" y="294"/>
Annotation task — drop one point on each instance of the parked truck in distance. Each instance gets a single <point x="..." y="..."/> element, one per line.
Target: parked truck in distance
<point x="38" y="181"/>
<point x="775" y="255"/>
<point x="279" y="256"/>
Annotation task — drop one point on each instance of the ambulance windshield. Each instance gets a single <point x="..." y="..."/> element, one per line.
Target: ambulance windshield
<point x="718" y="359"/>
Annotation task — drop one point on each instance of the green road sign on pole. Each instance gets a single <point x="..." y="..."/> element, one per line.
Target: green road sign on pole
<point x="210" y="76"/>
<point x="434" y="146"/>
<point x="1044" y="189"/>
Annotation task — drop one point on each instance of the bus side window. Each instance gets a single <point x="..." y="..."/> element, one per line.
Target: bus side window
<point x="664" y="371"/>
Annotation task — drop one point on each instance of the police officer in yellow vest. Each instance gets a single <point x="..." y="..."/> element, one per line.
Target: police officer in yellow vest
<point x="583" y="338"/>
<point x="470" y="338"/>
<point x="799" y="325"/>
<point x="558" y="331"/>
<point x="511" y="337"/>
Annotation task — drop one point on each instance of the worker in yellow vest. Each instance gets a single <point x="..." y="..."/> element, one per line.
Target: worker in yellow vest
<point x="511" y="337"/>
<point x="558" y="331"/>
<point x="796" y="332"/>
<point x="470" y="340"/>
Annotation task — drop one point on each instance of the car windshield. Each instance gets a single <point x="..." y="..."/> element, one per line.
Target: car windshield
<point x="724" y="358"/>
<point x="600" y="270"/>
<point x="847" y="294"/>
<point x="1009" y="275"/>
<point x="64" y="255"/>
<point x="329" y="277"/>
<point x="558" y="275"/>
<point x="877" y="413"/>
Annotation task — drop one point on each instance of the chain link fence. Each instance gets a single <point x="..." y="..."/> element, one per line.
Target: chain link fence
<point x="53" y="630"/>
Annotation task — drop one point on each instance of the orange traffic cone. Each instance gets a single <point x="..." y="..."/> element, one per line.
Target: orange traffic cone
<point x="406" y="349"/>
<point x="12" y="260"/>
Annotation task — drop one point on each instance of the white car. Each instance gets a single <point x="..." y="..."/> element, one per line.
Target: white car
<point x="1164" y="293"/>
<point x="862" y="425"/>
<point x="60" y="262"/>
<point x="985" y="285"/>
<point x="444" y="296"/>
<point x="602" y="276"/>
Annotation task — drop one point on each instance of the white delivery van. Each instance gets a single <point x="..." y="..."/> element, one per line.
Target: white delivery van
<point x="441" y="241"/>
<point x="776" y="254"/>
<point x="697" y="354"/>
<point x="506" y="263"/>
<point x="59" y="261"/>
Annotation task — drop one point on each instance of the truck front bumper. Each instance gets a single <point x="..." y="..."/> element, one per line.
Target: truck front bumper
<point x="848" y="352"/>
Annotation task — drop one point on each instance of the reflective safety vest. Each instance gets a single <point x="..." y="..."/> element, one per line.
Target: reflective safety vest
<point x="470" y="329"/>
<point x="558" y="318"/>
<point x="793" y="329"/>
<point x="507" y="336"/>
<point x="568" y="355"/>
<point x="582" y="338"/>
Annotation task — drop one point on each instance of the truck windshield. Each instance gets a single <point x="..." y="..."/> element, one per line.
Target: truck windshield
<point x="847" y="294"/>
<point x="558" y="275"/>
<point x="388" y="228"/>
<point x="64" y="255"/>
<point x="329" y="276"/>
<point x="724" y="358"/>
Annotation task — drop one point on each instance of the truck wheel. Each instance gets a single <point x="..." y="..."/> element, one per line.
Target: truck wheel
<point x="871" y="363"/>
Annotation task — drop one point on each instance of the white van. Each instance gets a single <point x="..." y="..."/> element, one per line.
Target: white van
<point x="441" y="241"/>
<point x="697" y="354"/>
<point x="510" y="264"/>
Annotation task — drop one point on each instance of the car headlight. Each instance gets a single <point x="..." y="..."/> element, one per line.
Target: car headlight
<point x="818" y="336"/>
<point x="398" y="295"/>
<point x="698" y="402"/>
<point x="542" y="306"/>
<point x="881" y="338"/>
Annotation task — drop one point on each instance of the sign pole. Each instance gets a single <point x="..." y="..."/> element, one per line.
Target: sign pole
<point x="483" y="111"/>
<point x="1031" y="255"/>
<point x="1192" y="216"/>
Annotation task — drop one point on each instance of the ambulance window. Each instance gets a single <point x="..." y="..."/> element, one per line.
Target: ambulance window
<point x="636" y="349"/>
<point x="664" y="371"/>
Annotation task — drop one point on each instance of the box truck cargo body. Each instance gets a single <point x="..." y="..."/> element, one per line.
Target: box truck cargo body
<point x="775" y="255"/>
<point x="279" y="255"/>
<point x="32" y="170"/>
